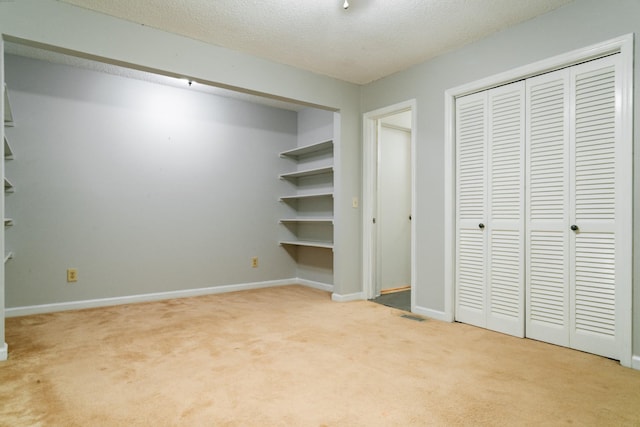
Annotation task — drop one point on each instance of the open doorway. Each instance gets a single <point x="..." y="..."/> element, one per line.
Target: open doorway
<point x="388" y="206"/>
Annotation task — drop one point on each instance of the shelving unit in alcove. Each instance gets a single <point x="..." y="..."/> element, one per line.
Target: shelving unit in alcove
<point x="307" y="220"/>
<point x="300" y="152"/>
<point x="8" y="155"/>
<point x="308" y="172"/>
<point x="312" y="202"/>
<point x="8" y="186"/>
<point x="311" y="244"/>
<point x="305" y="196"/>
<point x="8" y="115"/>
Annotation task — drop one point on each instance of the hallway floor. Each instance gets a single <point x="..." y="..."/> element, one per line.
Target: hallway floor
<point x="400" y="300"/>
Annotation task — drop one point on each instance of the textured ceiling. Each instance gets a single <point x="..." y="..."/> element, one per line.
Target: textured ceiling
<point x="368" y="41"/>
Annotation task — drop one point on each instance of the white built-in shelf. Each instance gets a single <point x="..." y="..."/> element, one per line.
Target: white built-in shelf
<point x="308" y="220"/>
<point x="313" y="161"/>
<point x="8" y="153"/>
<point x="8" y="116"/>
<point x="307" y="149"/>
<point x="307" y="243"/>
<point x="308" y="172"/>
<point x="305" y="196"/>
<point x="8" y="187"/>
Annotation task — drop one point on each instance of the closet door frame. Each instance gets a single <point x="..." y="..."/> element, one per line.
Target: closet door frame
<point x="622" y="45"/>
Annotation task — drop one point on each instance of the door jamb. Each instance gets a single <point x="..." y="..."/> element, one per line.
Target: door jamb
<point x="369" y="202"/>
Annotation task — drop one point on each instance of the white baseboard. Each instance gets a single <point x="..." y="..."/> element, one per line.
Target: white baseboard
<point x="317" y="285"/>
<point x="347" y="297"/>
<point x="635" y="362"/>
<point x="105" y="302"/>
<point x="434" y="314"/>
<point x="4" y="352"/>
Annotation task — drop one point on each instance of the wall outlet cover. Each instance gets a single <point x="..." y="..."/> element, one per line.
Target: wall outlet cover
<point x="72" y="275"/>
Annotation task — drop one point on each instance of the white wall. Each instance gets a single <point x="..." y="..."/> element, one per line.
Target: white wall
<point x="579" y="24"/>
<point x="143" y="187"/>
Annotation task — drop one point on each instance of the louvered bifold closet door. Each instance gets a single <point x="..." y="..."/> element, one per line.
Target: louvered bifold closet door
<point x="471" y="140"/>
<point x="595" y="148"/>
<point x="547" y="224"/>
<point x="505" y="209"/>
<point x="490" y="209"/>
<point x="573" y="199"/>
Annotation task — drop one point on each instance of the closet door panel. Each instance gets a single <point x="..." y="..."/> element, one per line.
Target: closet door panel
<point x="547" y="241"/>
<point x="505" y="228"/>
<point x="471" y="140"/>
<point x="544" y="208"/>
<point x="593" y="244"/>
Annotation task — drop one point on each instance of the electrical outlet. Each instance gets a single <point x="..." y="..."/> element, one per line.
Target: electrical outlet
<point x="254" y="262"/>
<point x="354" y="202"/>
<point x="72" y="275"/>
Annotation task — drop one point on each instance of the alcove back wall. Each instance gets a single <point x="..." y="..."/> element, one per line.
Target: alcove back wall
<point x="142" y="187"/>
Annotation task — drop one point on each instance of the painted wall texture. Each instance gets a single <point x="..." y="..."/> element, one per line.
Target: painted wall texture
<point x="142" y="187"/>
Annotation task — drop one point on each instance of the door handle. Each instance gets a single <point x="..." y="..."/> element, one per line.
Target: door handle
<point x="481" y="226"/>
<point x="574" y="227"/>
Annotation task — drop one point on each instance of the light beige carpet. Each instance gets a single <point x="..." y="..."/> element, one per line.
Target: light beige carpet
<point x="291" y="357"/>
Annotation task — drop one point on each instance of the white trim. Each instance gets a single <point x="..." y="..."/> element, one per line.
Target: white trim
<point x="316" y="285"/>
<point x="624" y="234"/>
<point x="449" y="205"/>
<point x="622" y="45"/>
<point x="395" y="127"/>
<point x="370" y="155"/>
<point x="414" y="203"/>
<point x="4" y="352"/>
<point x="433" y="314"/>
<point x="105" y="302"/>
<point x="357" y="296"/>
<point x="635" y="362"/>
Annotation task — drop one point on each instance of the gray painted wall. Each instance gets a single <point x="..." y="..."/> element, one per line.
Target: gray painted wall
<point x="142" y="187"/>
<point x="579" y="24"/>
<point x="64" y="27"/>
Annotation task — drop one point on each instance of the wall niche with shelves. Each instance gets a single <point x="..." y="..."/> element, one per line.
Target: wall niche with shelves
<point x="8" y="222"/>
<point x="307" y="198"/>
<point x="8" y="155"/>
